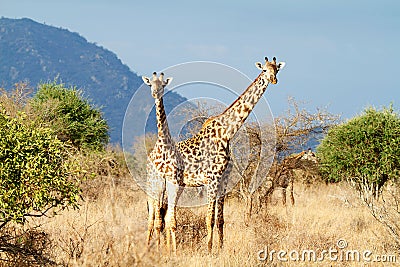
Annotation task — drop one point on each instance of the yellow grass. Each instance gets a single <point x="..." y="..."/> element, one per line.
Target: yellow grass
<point x="109" y="230"/>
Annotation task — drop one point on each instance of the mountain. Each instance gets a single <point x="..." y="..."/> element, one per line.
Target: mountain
<point x="34" y="52"/>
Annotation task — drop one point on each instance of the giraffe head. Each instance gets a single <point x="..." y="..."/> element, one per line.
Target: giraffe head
<point x="310" y="156"/>
<point x="270" y="69"/>
<point x="157" y="85"/>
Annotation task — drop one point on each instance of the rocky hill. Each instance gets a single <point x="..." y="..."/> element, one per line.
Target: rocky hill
<point x="34" y="52"/>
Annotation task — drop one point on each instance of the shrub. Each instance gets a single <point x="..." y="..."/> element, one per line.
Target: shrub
<point x="365" y="150"/>
<point x="71" y="116"/>
<point x="35" y="170"/>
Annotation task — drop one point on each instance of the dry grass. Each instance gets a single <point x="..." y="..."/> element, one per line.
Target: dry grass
<point x="109" y="230"/>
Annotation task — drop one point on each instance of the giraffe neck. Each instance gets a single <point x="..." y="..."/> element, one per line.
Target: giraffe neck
<point x="236" y="114"/>
<point x="162" y="123"/>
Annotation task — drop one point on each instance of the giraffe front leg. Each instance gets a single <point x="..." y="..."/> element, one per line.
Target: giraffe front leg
<point x="220" y="220"/>
<point x="173" y="193"/>
<point x="155" y="200"/>
<point x="158" y="224"/>
<point x="210" y="223"/>
<point x="170" y="222"/>
<point x="220" y="204"/>
<point x="212" y="196"/>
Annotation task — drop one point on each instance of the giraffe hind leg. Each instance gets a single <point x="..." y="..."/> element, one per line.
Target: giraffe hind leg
<point x="220" y="220"/>
<point x="150" y="221"/>
<point x="284" y="196"/>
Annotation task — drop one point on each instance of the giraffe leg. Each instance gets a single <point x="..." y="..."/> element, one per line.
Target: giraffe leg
<point x="157" y="223"/>
<point x="210" y="223"/>
<point x="154" y="222"/>
<point x="291" y="192"/>
<point x="220" y="220"/>
<point x="220" y="206"/>
<point x="155" y="191"/>
<point x="173" y="192"/>
<point x="150" y="221"/>
<point x="171" y="229"/>
<point x="284" y="196"/>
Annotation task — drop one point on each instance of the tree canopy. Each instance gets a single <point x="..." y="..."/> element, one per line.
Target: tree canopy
<point x="365" y="150"/>
<point x="71" y="116"/>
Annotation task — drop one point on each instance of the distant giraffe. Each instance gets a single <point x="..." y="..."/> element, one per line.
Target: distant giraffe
<point x="281" y="174"/>
<point x="162" y="162"/>
<point x="205" y="156"/>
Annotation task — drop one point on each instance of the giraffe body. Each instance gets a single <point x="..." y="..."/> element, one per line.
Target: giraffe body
<point x="282" y="175"/>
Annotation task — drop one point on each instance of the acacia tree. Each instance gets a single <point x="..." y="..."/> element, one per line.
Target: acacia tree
<point x="291" y="133"/>
<point x="364" y="150"/>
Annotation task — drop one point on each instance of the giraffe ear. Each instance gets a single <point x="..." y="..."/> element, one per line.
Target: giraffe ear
<point x="280" y="65"/>
<point x="259" y="65"/>
<point x="168" y="81"/>
<point x="146" y="80"/>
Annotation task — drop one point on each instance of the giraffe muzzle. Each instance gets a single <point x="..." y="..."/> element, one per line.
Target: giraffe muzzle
<point x="157" y="95"/>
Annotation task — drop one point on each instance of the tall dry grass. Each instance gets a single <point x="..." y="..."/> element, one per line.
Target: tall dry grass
<point x="109" y="229"/>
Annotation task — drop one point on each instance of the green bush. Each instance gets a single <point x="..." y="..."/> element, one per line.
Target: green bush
<point x="366" y="150"/>
<point x="70" y="116"/>
<point x="36" y="173"/>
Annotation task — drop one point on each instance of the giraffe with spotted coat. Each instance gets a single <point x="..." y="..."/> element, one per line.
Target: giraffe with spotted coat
<point x="205" y="156"/>
<point x="162" y="164"/>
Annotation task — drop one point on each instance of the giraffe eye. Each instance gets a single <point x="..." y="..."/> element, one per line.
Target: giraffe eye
<point x="264" y="70"/>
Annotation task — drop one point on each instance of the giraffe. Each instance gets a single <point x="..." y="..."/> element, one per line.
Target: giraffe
<point x="282" y="174"/>
<point x="205" y="156"/>
<point x="162" y="161"/>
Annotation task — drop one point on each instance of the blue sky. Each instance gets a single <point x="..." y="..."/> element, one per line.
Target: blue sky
<point x="340" y="54"/>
